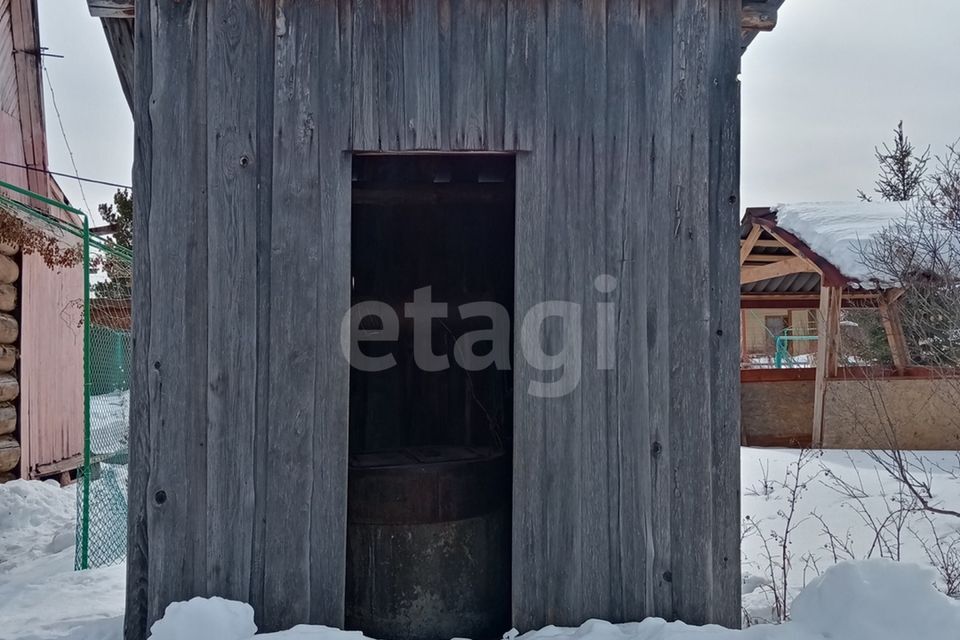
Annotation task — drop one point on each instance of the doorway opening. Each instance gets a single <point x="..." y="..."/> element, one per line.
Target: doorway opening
<point x="431" y="420"/>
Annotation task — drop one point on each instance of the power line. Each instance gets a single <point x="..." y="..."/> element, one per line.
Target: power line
<point x="56" y="109"/>
<point x="67" y="175"/>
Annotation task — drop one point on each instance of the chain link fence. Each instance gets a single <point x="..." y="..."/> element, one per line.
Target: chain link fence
<point x="102" y="494"/>
<point x="61" y="236"/>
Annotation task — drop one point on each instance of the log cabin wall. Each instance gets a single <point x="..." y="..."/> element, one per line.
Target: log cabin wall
<point x="624" y="117"/>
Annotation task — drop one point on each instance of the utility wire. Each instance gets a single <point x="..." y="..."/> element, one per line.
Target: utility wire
<point x="67" y="175"/>
<point x="56" y="109"/>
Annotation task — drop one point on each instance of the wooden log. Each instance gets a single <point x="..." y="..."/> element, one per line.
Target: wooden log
<point x="9" y="387"/>
<point x="893" y="327"/>
<point x="8" y="249"/>
<point x="9" y="453"/>
<point x="9" y="329"/>
<point x="758" y="16"/>
<point x="7" y="477"/>
<point x="111" y="8"/>
<point x="9" y="271"/>
<point x="8" y="418"/>
<point x="828" y="332"/>
<point x="8" y="358"/>
<point x="8" y="297"/>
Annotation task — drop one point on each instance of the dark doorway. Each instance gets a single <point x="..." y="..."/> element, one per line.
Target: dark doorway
<point x="428" y="543"/>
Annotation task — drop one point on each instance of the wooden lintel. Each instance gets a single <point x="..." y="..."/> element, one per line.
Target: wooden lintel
<point x="776" y="269"/>
<point x="110" y="8"/>
<point x="803" y="300"/>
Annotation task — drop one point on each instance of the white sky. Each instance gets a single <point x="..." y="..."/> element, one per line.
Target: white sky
<point x="819" y="93"/>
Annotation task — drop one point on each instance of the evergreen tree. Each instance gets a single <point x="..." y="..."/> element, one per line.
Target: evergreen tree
<point x="902" y="171"/>
<point x="120" y="216"/>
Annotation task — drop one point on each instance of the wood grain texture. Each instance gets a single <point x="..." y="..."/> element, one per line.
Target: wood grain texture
<point x="119" y="34"/>
<point x="137" y="618"/>
<point x="167" y="546"/>
<point x="232" y="215"/>
<point x="624" y="116"/>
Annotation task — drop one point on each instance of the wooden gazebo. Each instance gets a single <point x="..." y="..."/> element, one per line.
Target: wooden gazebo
<point x="809" y="257"/>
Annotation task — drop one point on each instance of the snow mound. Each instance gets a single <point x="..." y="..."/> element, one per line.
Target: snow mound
<point x="35" y="517"/>
<point x="205" y="618"/>
<point x="842" y="232"/>
<point x="874" y="599"/>
<point x="866" y="600"/>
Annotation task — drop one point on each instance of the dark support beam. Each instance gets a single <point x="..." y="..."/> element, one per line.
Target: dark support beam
<point x="119" y="32"/>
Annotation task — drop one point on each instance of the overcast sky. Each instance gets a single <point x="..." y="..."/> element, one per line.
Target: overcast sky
<point x="818" y="93"/>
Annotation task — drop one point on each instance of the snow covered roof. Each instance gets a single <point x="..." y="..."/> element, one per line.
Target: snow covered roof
<point x="841" y="233"/>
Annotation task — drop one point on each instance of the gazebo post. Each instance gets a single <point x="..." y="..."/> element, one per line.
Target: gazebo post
<point x="827" y="347"/>
<point x="893" y="327"/>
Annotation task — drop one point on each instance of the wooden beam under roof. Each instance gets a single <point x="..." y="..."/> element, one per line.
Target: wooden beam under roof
<point x="776" y="270"/>
<point x="111" y="8"/>
<point x="756" y="16"/>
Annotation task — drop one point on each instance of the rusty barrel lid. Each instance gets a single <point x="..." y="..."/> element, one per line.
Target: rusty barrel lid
<point x="427" y="484"/>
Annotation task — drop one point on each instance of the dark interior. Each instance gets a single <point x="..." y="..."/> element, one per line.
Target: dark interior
<point x="445" y="221"/>
<point x="429" y="489"/>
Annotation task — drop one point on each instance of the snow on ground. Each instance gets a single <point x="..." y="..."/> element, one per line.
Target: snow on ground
<point x="42" y="597"/>
<point x="841" y="232"/>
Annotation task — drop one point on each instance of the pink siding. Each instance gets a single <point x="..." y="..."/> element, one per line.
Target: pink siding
<point x="51" y="338"/>
<point x="51" y="364"/>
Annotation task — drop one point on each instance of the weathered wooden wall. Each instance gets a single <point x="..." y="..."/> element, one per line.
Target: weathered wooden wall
<point x="624" y="117"/>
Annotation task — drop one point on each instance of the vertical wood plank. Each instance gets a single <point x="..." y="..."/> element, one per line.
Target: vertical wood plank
<point x="391" y="79"/>
<point x="690" y="296"/>
<point x="527" y="83"/>
<point x="264" y="166"/>
<point x="421" y="92"/>
<point x="328" y="517"/>
<point x="629" y="460"/>
<point x="365" y="79"/>
<point x="233" y="56"/>
<point x="168" y="417"/>
<point x="725" y="313"/>
<point x="135" y="623"/>
<point x="657" y="207"/>
<point x="525" y="73"/>
<point x="294" y="307"/>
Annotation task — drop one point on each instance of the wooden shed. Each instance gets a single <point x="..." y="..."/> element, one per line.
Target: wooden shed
<point x="296" y="158"/>
<point x="41" y="343"/>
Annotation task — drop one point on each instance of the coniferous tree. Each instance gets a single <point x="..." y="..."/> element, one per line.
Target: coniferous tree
<point x="119" y="278"/>
<point x="902" y="171"/>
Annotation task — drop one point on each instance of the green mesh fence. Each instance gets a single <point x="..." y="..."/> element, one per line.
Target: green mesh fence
<point x="102" y="495"/>
<point x="61" y="234"/>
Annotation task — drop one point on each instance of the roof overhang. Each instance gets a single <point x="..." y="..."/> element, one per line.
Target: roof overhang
<point x="117" y="18"/>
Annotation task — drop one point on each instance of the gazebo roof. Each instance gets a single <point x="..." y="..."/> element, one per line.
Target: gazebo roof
<point x="790" y="249"/>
